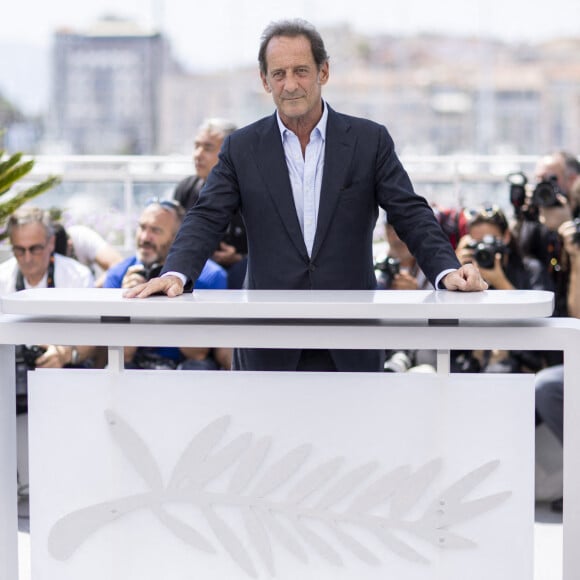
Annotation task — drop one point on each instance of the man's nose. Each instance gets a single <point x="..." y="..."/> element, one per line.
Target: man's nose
<point x="26" y="257"/>
<point x="290" y="83"/>
<point x="144" y="235"/>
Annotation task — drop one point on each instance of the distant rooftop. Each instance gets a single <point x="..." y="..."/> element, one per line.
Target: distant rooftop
<point x="110" y="26"/>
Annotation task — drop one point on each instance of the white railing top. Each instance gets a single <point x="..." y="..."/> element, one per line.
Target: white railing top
<point x="232" y="305"/>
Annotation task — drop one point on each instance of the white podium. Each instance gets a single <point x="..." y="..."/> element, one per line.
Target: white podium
<point x="281" y="474"/>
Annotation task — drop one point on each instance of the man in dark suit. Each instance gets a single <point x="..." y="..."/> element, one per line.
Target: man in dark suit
<point x="309" y="182"/>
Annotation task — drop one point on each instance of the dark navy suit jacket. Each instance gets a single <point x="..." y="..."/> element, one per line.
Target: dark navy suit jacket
<point x="361" y="173"/>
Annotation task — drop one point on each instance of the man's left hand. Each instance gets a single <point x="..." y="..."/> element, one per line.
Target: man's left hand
<point x="466" y="279"/>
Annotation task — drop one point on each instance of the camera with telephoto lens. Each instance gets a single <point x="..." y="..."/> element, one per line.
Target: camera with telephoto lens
<point x="149" y="272"/>
<point x="388" y="268"/>
<point x="484" y="251"/>
<point x="546" y="192"/>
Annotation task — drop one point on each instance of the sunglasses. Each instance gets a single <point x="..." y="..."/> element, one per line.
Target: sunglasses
<point x="492" y="214"/>
<point x="167" y="203"/>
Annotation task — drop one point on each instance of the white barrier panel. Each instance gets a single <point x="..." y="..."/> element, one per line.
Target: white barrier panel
<point x="155" y="474"/>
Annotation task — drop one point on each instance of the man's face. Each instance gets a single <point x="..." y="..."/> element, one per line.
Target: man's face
<point x="32" y="250"/>
<point x="155" y="233"/>
<point x="294" y="79"/>
<point x="206" y="148"/>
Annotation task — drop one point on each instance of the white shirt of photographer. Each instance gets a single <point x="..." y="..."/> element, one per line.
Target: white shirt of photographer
<point x="68" y="273"/>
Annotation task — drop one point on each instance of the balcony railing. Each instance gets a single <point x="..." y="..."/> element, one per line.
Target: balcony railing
<point x="108" y="192"/>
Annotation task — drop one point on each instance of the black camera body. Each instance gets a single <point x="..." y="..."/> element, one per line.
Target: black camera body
<point x="484" y="251"/>
<point x="151" y="271"/>
<point x="27" y="355"/>
<point x="388" y="268"/>
<point x="546" y="193"/>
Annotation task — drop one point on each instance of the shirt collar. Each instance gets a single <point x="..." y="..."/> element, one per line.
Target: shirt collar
<point x="321" y="125"/>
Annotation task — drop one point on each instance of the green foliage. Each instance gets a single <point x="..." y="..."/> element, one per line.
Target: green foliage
<point x="12" y="169"/>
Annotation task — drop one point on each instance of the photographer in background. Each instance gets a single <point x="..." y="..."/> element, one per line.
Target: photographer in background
<point x="36" y="265"/>
<point x="491" y="246"/>
<point x="156" y="230"/>
<point x="550" y="381"/>
<point x="541" y="211"/>
<point x="232" y="253"/>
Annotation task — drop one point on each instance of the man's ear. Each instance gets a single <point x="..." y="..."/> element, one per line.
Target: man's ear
<point x="265" y="83"/>
<point x="323" y="74"/>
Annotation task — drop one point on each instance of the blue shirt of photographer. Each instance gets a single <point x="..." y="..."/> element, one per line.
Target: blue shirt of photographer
<point x="212" y="277"/>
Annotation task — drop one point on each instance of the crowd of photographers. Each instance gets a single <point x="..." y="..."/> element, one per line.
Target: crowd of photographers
<point x="538" y="248"/>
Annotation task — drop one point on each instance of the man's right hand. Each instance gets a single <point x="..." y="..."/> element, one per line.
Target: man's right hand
<point x="169" y="285"/>
<point x="133" y="277"/>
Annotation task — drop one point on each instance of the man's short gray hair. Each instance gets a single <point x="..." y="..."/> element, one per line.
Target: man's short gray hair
<point x="218" y="126"/>
<point x="30" y="215"/>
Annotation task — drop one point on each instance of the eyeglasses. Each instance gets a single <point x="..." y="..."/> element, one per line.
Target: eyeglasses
<point x="34" y="250"/>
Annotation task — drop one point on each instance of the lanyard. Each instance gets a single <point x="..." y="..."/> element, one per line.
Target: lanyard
<point x="49" y="280"/>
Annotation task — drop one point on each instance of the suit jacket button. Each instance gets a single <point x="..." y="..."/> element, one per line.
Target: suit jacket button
<point x="311" y="267"/>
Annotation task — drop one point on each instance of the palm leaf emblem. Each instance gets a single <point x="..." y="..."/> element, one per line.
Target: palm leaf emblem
<point x="318" y="514"/>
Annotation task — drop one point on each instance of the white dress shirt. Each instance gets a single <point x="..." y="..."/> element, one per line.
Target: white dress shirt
<point x="305" y="172"/>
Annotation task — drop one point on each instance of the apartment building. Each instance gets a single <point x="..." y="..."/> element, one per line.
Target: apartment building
<point x="105" y="88"/>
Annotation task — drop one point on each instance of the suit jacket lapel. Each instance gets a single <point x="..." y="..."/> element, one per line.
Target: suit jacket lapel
<point x="274" y="171"/>
<point x="339" y="150"/>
